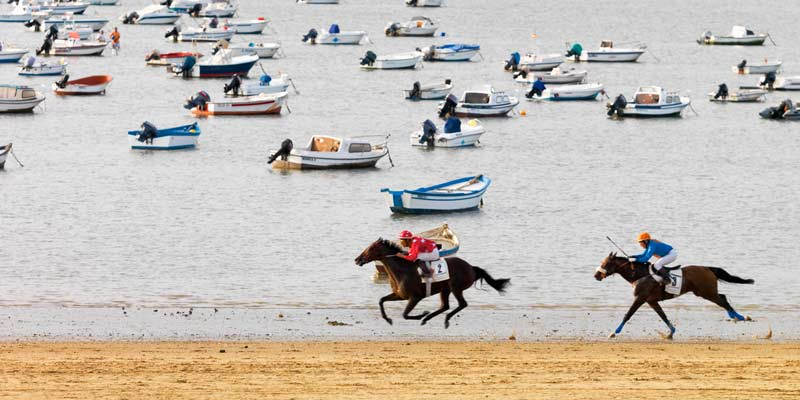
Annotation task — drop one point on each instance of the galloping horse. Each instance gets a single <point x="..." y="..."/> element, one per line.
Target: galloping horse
<point x="702" y="281"/>
<point x="407" y="284"/>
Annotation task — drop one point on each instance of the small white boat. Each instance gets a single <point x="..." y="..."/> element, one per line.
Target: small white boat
<point x="151" y="138"/>
<point x="739" y="36"/>
<point x="424" y="3"/>
<point x="317" y="1"/>
<point x="482" y="101"/>
<point x="62" y="7"/>
<point x="193" y="34"/>
<point x="766" y="67"/>
<point x="23" y="13"/>
<point x="429" y="91"/>
<point x="262" y="50"/>
<point x="19" y="99"/>
<point x="650" y="101"/>
<point x="739" y="96"/>
<point x="11" y="55"/>
<point x="75" y="31"/>
<point x="339" y="38"/>
<point x="417" y="26"/>
<point x="327" y="152"/>
<point x="153" y="14"/>
<point x="540" y="62"/>
<point x="555" y="76"/>
<point x="247" y="26"/>
<point x="588" y="91"/>
<point x="33" y="66"/>
<point x="408" y="60"/>
<point x="73" y="47"/>
<point x="95" y="23"/>
<point x="450" y="52"/>
<point x="89" y="85"/>
<point x="218" y="9"/>
<point x="608" y="53"/>
<point x="103" y="2"/>
<point x="463" y="194"/>
<point x="787" y="83"/>
<point x="266" y="86"/>
<point x="453" y="134"/>
<point x="4" y="150"/>
<point x="261" y="104"/>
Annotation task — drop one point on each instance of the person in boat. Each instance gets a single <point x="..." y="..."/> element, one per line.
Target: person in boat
<point x="537" y="88"/>
<point x="115" y="36"/>
<point x="664" y="253"/>
<point x="420" y="250"/>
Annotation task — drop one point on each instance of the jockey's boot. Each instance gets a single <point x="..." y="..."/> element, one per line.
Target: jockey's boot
<point x="658" y="274"/>
<point x="426" y="270"/>
<point x="664" y="274"/>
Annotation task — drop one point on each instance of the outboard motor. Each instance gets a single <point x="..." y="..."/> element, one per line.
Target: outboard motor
<point x="214" y="24"/>
<point x="195" y="10"/>
<point x="411" y="3"/>
<point x="741" y="66"/>
<point x="153" y="55"/>
<point x="35" y="24"/>
<point x="63" y="82"/>
<point x="46" y="46"/>
<point x="149" y="132"/>
<point x="452" y="125"/>
<point x="283" y="152"/>
<point x="521" y="74"/>
<point x="311" y="36"/>
<point x="393" y="29"/>
<point x="428" y="132"/>
<point x="369" y="58"/>
<point x="618" y="106"/>
<point x="449" y="107"/>
<point x="52" y="32"/>
<point x="30" y="62"/>
<point x="186" y="68"/>
<point x="722" y="91"/>
<point x="167" y="3"/>
<point x="199" y="100"/>
<point x="536" y="89"/>
<point x="130" y="18"/>
<point x="173" y="33"/>
<point x="416" y="91"/>
<point x="513" y="63"/>
<point x="768" y="80"/>
<point x="233" y="85"/>
<point x="575" y="51"/>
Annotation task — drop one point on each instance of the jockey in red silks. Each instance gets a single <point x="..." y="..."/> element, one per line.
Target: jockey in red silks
<point x="420" y="249"/>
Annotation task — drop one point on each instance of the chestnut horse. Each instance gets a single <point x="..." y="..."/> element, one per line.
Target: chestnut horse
<point x="407" y="284"/>
<point x="702" y="281"/>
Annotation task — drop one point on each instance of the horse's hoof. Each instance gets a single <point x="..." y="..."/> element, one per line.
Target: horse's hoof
<point x="748" y="319"/>
<point x="446" y="324"/>
<point x="423" y="322"/>
<point x="389" y="320"/>
<point x="665" y="336"/>
<point x="612" y="335"/>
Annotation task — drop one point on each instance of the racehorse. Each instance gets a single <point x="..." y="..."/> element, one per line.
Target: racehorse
<point x="702" y="281"/>
<point x="407" y="284"/>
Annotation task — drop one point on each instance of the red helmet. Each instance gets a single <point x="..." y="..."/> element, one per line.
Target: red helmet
<point x="405" y="235"/>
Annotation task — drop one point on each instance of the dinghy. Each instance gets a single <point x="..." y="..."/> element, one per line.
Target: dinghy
<point x="262" y="50"/>
<point x="787" y="110"/>
<point x="76" y="47"/>
<point x="10" y="54"/>
<point x="35" y="67"/>
<point x="739" y="36"/>
<point x="429" y="91"/>
<point x="417" y="26"/>
<point x="19" y="99"/>
<point x="482" y="101"/>
<point x="408" y="60"/>
<point x="453" y="134"/>
<point x="95" y="23"/>
<point x="650" y="101"/>
<point x="151" y="138"/>
<point x="556" y="76"/>
<point x="205" y="34"/>
<point x="247" y="26"/>
<point x="95" y="84"/>
<point x="262" y="104"/>
<point x="540" y="62"/>
<point x="23" y="13"/>
<point x="163" y="59"/>
<point x="221" y="65"/>
<point x="608" y="53"/>
<point x="450" y="52"/>
<point x="265" y="84"/>
<point x="424" y="3"/>
<point x="218" y="9"/>
<point x="764" y="68"/>
<point x="153" y="14"/>
<point x="588" y="91"/>
<point x="4" y="150"/>
<point x="739" y="96"/>
<point x="334" y="36"/>
<point x="463" y="194"/>
<point x="327" y="152"/>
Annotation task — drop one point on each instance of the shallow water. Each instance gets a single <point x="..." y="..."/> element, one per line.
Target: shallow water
<point x="88" y="222"/>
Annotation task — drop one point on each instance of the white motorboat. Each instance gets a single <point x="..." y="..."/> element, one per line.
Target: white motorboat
<point x="10" y="54"/>
<point x="738" y="96"/>
<point x="450" y="52"/>
<point x="153" y="14"/>
<point x="23" y="13"/>
<point x="261" y="104"/>
<point x="204" y="34"/>
<point x="262" y="50"/>
<point x="75" y="31"/>
<point x="218" y="9"/>
<point x="557" y="75"/>
<point x="482" y="101"/>
<point x="95" y="23"/>
<point x="429" y="91"/>
<point x="220" y="65"/>
<point x="540" y="62"/>
<point x="743" y="68"/>
<point x="424" y="3"/>
<point x="346" y="37"/>
<point x="247" y="26"/>
<point x="607" y="53"/>
<point x="787" y="83"/>
<point x="327" y="152"/>
<point x="266" y="85"/>
<point x="650" y="101"/>
<point x="739" y="36"/>
<point x="453" y="134"/>
<point x="417" y="26"/>
<point x="317" y="1"/>
<point x="103" y="2"/>
<point x="408" y="60"/>
<point x="4" y="150"/>
<point x="62" y="7"/>
<point x="89" y="85"/>
<point x="74" y="47"/>
<point x="33" y="66"/>
<point x="19" y="99"/>
<point x="588" y="91"/>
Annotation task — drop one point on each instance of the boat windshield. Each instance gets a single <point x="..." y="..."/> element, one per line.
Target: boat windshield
<point x="646" y="98"/>
<point x="606" y="44"/>
<point x="476" y="98"/>
<point x="360" y="148"/>
<point x="325" y="144"/>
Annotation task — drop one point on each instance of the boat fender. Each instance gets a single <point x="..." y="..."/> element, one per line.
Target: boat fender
<point x="618" y="106"/>
<point x="283" y="152"/>
<point x="311" y="36"/>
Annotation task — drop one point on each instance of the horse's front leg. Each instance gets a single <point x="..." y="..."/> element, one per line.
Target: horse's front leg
<point x="412" y="302"/>
<point x="657" y="308"/>
<point x="637" y="302"/>
<point x="445" y="299"/>
<point x="389" y="297"/>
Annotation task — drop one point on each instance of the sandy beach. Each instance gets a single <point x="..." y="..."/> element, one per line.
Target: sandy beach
<point x="399" y="370"/>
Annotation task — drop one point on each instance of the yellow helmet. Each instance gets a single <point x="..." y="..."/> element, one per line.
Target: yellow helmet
<point x="643" y="236"/>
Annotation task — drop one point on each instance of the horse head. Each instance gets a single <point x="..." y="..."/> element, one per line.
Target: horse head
<point x="377" y="250"/>
<point x="608" y="267"/>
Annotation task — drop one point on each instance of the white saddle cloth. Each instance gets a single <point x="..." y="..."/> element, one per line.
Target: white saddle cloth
<point x="440" y="271"/>
<point x="675" y="283"/>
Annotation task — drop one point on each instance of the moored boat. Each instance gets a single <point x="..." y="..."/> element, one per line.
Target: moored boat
<point x="151" y="138"/>
<point x="205" y="34"/>
<point x="429" y="91"/>
<point x="327" y="152"/>
<point x="787" y="83"/>
<point x="75" y="47"/>
<point x="723" y="95"/>
<point x="33" y="66"/>
<point x="221" y="65"/>
<point x="587" y="91"/>
<point x="482" y="101"/>
<point x="416" y="26"/>
<point x="23" y="13"/>
<point x="162" y="59"/>
<point x="10" y="54"/>
<point x="265" y="84"/>
<point x="450" y="52"/>
<point x="62" y="7"/>
<point x="650" y="101"/>
<point x="103" y="2"/>
<point x="557" y="75"/>
<point x="608" y="53"/>
<point x="4" y="150"/>
<point x="317" y="1"/>
<point x="538" y="62"/>
<point x="739" y="36"/>
<point x="95" y="84"/>
<point x="219" y="9"/>
<point x="261" y="104"/>
<point x="453" y="134"/>
<point x="743" y="68"/>
<point x="248" y="26"/>
<point x="408" y="60"/>
<point x="463" y="194"/>
<point x="445" y="239"/>
<point x="154" y="14"/>
<point x="19" y="99"/>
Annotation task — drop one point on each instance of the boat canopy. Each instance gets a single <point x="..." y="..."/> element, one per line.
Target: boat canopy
<point x="739" y="31"/>
<point x="16" y="92"/>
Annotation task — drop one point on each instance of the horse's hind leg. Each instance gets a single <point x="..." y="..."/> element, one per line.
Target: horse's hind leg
<point x="660" y="311"/>
<point x="412" y="302"/>
<point x="444" y="295"/>
<point x="462" y="304"/>
<point x="388" y="297"/>
<point x="722" y="301"/>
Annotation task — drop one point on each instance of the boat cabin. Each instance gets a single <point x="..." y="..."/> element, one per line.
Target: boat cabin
<point x="485" y="95"/>
<point x="739" y="31"/>
<point x="12" y="92"/>
<point x="606" y="44"/>
<point x="655" y="95"/>
<point x="327" y="144"/>
<point x="420" y="21"/>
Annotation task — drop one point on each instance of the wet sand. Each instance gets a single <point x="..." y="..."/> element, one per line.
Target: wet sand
<point x="399" y="370"/>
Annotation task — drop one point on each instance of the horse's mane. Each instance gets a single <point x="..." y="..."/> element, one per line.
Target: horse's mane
<point x="391" y="245"/>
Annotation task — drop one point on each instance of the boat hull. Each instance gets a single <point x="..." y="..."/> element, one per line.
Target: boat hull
<point x="438" y="92"/>
<point x="46" y="70"/>
<point x="267" y="51"/>
<point x="173" y="139"/>
<point x="757" y="69"/>
<point x="614" y="56"/>
<point x="20" y="106"/>
<point x="757" y="40"/>
<point x="668" y="110"/>
<point x="256" y="89"/>
<point x="95" y="24"/>
<point x="410" y="62"/>
<point x="483" y="110"/>
<point x="206" y="36"/>
<point x="87" y="86"/>
<point x="252" y="105"/>
<point x="469" y="136"/>
<point x="427" y="201"/>
<point x="83" y="50"/>
<point x="342" y="38"/>
<point x="248" y="28"/>
<point x="12" y="55"/>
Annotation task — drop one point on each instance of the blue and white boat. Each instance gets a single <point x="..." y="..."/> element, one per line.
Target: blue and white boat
<point x="221" y="65"/>
<point x="150" y="138"/>
<point x="482" y="101"/>
<point x="451" y="52"/>
<point x="462" y="194"/>
<point x="650" y="101"/>
<point x="11" y="55"/>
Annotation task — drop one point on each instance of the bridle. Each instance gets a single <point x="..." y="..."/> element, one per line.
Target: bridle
<point x="603" y="271"/>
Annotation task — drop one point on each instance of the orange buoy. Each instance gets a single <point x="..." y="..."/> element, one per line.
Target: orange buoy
<point x="523" y="113"/>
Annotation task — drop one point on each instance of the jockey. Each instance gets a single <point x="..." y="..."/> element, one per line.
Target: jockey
<point x="420" y="249"/>
<point x="664" y="253"/>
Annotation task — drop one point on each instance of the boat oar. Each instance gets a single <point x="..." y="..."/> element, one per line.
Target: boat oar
<point x="287" y="107"/>
<point x="15" y="157"/>
<point x="293" y="86"/>
<point x="617" y="246"/>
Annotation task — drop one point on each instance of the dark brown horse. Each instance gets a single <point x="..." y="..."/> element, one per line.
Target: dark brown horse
<point x="702" y="281"/>
<point x="407" y="284"/>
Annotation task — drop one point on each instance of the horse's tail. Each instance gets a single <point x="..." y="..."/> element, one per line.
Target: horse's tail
<point x="726" y="277"/>
<point x="497" y="284"/>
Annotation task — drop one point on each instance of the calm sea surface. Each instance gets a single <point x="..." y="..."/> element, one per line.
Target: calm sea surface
<point x="89" y="222"/>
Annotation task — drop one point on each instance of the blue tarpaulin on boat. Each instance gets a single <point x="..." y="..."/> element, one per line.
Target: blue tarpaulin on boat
<point x="459" y="47"/>
<point x="334" y="29"/>
<point x="265" y="80"/>
<point x="515" y="55"/>
<point x="452" y="125"/>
